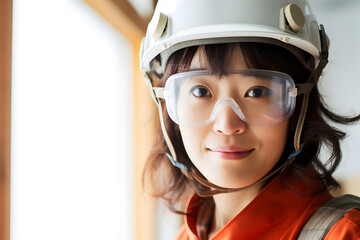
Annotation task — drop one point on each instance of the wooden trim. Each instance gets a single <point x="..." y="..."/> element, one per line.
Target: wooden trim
<point x="131" y="14"/>
<point x="145" y="212"/>
<point x="5" y="115"/>
<point x="154" y="4"/>
<point x="121" y="15"/>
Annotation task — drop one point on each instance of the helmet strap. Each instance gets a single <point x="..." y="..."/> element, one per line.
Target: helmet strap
<point x="172" y="155"/>
<point x="313" y="79"/>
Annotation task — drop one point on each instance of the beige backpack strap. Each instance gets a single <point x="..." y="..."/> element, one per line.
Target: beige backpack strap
<point x="327" y="215"/>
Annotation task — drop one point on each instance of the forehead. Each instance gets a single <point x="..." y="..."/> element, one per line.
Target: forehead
<point x="231" y="59"/>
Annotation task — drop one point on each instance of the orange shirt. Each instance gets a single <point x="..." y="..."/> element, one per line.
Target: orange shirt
<point x="275" y="214"/>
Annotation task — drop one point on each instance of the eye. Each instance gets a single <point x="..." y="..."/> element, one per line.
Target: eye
<point x="200" y="91"/>
<point x="258" y="91"/>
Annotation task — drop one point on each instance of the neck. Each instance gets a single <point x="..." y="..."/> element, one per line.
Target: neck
<point x="228" y="205"/>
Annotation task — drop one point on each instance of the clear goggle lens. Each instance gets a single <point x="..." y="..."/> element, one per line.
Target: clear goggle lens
<point x="258" y="97"/>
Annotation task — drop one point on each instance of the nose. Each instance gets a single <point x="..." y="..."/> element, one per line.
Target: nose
<point x="228" y="122"/>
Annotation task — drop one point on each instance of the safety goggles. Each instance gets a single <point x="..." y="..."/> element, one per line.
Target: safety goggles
<point x="258" y="97"/>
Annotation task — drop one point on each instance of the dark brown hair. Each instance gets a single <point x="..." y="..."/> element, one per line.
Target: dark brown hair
<point x="170" y="184"/>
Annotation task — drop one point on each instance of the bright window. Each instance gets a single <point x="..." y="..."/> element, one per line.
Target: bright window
<point x="71" y="125"/>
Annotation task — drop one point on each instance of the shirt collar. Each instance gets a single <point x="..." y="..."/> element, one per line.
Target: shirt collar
<point x="278" y="204"/>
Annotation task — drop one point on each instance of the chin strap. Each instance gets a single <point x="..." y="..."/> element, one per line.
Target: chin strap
<point x="215" y="189"/>
<point x="194" y="174"/>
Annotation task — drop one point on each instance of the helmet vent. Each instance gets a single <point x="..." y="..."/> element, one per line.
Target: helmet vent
<point x="158" y="24"/>
<point x="294" y="17"/>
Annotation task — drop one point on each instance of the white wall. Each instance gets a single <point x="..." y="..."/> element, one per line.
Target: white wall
<point x="341" y="80"/>
<point x="72" y="120"/>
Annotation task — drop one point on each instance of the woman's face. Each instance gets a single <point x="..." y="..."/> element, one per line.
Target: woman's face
<point x="228" y="151"/>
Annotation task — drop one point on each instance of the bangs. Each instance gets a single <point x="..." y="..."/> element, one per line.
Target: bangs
<point x="215" y="57"/>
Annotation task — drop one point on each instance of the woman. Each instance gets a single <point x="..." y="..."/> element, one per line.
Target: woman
<point x="242" y="120"/>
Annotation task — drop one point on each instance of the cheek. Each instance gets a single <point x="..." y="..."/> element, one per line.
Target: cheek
<point x="273" y="141"/>
<point x="193" y="141"/>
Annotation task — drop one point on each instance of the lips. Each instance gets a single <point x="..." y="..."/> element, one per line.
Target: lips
<point x="231" y="152"/>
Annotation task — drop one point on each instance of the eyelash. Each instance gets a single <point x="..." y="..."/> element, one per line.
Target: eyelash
<point x="198" y="87"/>
<point x="267" y="91"/>
<point x="264" y="91"/>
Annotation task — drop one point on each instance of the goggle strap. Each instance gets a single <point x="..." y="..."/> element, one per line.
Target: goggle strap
<point x="303" y="88"/>
<point x="159" y="92"/>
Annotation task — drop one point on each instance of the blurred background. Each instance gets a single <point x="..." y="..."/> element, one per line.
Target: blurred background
<point x="77" y="122"/>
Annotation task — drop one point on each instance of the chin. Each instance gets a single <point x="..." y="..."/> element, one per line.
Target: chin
<point x="227" y="182"/>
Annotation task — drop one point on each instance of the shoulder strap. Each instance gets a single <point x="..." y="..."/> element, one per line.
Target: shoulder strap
<point x="327" y="215"/>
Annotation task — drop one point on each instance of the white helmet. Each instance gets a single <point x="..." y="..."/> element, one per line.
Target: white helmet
<point x="178" y="24"/>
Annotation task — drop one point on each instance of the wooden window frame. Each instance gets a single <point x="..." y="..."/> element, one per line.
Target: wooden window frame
<point x="5" y="115"/>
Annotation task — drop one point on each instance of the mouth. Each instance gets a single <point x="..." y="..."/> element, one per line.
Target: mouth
<point x="231" y="152"/>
